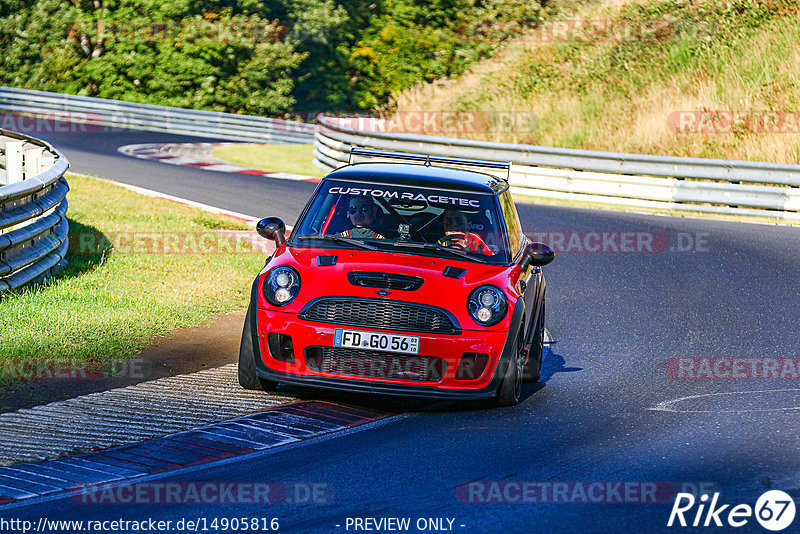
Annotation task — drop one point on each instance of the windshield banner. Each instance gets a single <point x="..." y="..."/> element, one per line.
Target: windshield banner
<point x="405" y="195"/>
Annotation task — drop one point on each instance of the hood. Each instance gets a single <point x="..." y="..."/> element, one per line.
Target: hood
<point x="324" y="272"/>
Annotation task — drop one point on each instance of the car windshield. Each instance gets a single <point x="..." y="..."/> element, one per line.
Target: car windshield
<point x="453" y="224"/>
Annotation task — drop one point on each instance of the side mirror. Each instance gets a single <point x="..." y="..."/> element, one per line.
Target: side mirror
<point x="272" y="228"/>
<point x="536" y="254"/>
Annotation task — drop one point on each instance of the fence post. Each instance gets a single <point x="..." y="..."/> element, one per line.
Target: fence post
<point x="44" y="163"/>
<point x="36" y="162"/>
<point x="13" y="162"/>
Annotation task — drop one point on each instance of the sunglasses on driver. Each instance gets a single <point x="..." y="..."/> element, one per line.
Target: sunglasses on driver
<point x="352" y="210"/>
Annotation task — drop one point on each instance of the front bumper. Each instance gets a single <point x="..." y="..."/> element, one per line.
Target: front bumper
<point x="364" y="385"/>
<point x="448" y="347"/>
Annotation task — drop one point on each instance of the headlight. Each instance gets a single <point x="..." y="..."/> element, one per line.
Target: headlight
<point x="487" y="305"/>
<point x="281" y="286"/>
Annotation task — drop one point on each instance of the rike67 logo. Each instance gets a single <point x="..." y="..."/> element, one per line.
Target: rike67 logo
<point x="774" y="510"/>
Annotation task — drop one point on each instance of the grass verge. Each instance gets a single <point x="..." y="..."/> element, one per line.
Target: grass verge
<point x="289" y="158"/>
<point x="121" y="287"/>
<point x="701" y="78"/>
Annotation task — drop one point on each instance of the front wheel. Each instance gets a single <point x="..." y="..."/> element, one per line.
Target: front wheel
<point x="533" y="368"/>
<point x="510" y="389"/>
<point x="248" y="378"/>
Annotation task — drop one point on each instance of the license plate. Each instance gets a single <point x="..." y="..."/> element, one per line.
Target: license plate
<point x="380" y="341"/>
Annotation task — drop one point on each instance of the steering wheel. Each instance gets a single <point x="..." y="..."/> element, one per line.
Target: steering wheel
<point x="470" y="240"/>
<point x="449" y="240"/>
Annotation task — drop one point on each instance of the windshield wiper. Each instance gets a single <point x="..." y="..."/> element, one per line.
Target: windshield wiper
<point x="338" y="239"/>
<point x="438" y="248"/>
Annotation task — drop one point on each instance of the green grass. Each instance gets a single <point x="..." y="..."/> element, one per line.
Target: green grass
<point x="110" y="301"/>
<point x="290" y="158"/>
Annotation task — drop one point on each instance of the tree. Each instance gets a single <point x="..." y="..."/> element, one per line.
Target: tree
<point x="222" y="56"/>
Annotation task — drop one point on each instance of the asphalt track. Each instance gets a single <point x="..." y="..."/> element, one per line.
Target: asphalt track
<point x="617" y="318"/>
<point x="96" y="153"/>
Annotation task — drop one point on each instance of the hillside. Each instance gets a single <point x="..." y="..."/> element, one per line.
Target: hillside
<point x="689" y="78"/>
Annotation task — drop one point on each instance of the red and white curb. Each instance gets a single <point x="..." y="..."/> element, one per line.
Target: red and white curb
<point x="198" y="156"/>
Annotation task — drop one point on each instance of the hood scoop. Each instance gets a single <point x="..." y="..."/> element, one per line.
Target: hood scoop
<point x="454" y="272"/>
<point x="326" y="261"/>
<point x="397" y="282"/>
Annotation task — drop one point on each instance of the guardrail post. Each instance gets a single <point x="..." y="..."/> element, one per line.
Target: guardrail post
<point x="36" y="162"/>
<point x="44" y="163"/>
<point x="13" y="151"/>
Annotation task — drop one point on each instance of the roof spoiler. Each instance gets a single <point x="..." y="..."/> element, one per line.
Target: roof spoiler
<point x="427" y="159"/>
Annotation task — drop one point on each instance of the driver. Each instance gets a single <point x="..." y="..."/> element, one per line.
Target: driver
<point x="457" y="234"/>
<point x="361" y="211"/>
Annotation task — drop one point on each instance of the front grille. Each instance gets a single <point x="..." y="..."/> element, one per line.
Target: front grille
<point x="356" y="362"/>
<point x="392" y="281"/>
<point x="378" y="313"/>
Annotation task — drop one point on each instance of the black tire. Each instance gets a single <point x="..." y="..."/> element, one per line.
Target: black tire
<point x="248" y="378"/>
<point x="533" y="369"/>
<point x="510" y="389"/>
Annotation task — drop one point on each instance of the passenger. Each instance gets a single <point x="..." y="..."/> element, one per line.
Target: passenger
<point x="457" y="233"/>
<point x="362" y="212"/>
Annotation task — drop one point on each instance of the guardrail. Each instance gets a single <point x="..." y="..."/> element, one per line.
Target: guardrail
<point x="636" y="180"/>
<point x="33" y="210"/>
<point x="87" y="113"/>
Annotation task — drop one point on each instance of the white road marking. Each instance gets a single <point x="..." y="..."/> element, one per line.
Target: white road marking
<point x="668" y="406"/>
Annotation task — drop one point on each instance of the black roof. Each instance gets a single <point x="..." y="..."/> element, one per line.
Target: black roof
<point x="429" y="176"/>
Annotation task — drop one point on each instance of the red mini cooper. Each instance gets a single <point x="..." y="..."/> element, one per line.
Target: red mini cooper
<point x="404" y="278"/>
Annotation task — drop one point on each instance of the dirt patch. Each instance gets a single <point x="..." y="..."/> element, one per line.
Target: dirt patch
<point x="184" y="350"/>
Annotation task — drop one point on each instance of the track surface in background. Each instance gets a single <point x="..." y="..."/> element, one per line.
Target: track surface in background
<point x="616" y="320"/>
<point x="96" y="153"/>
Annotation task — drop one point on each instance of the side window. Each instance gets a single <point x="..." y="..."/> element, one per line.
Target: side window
<point x="512" y="222"/>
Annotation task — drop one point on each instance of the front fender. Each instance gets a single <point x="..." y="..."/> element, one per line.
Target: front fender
<point x="534" y="294"/>
<point x="504" y="366"/>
